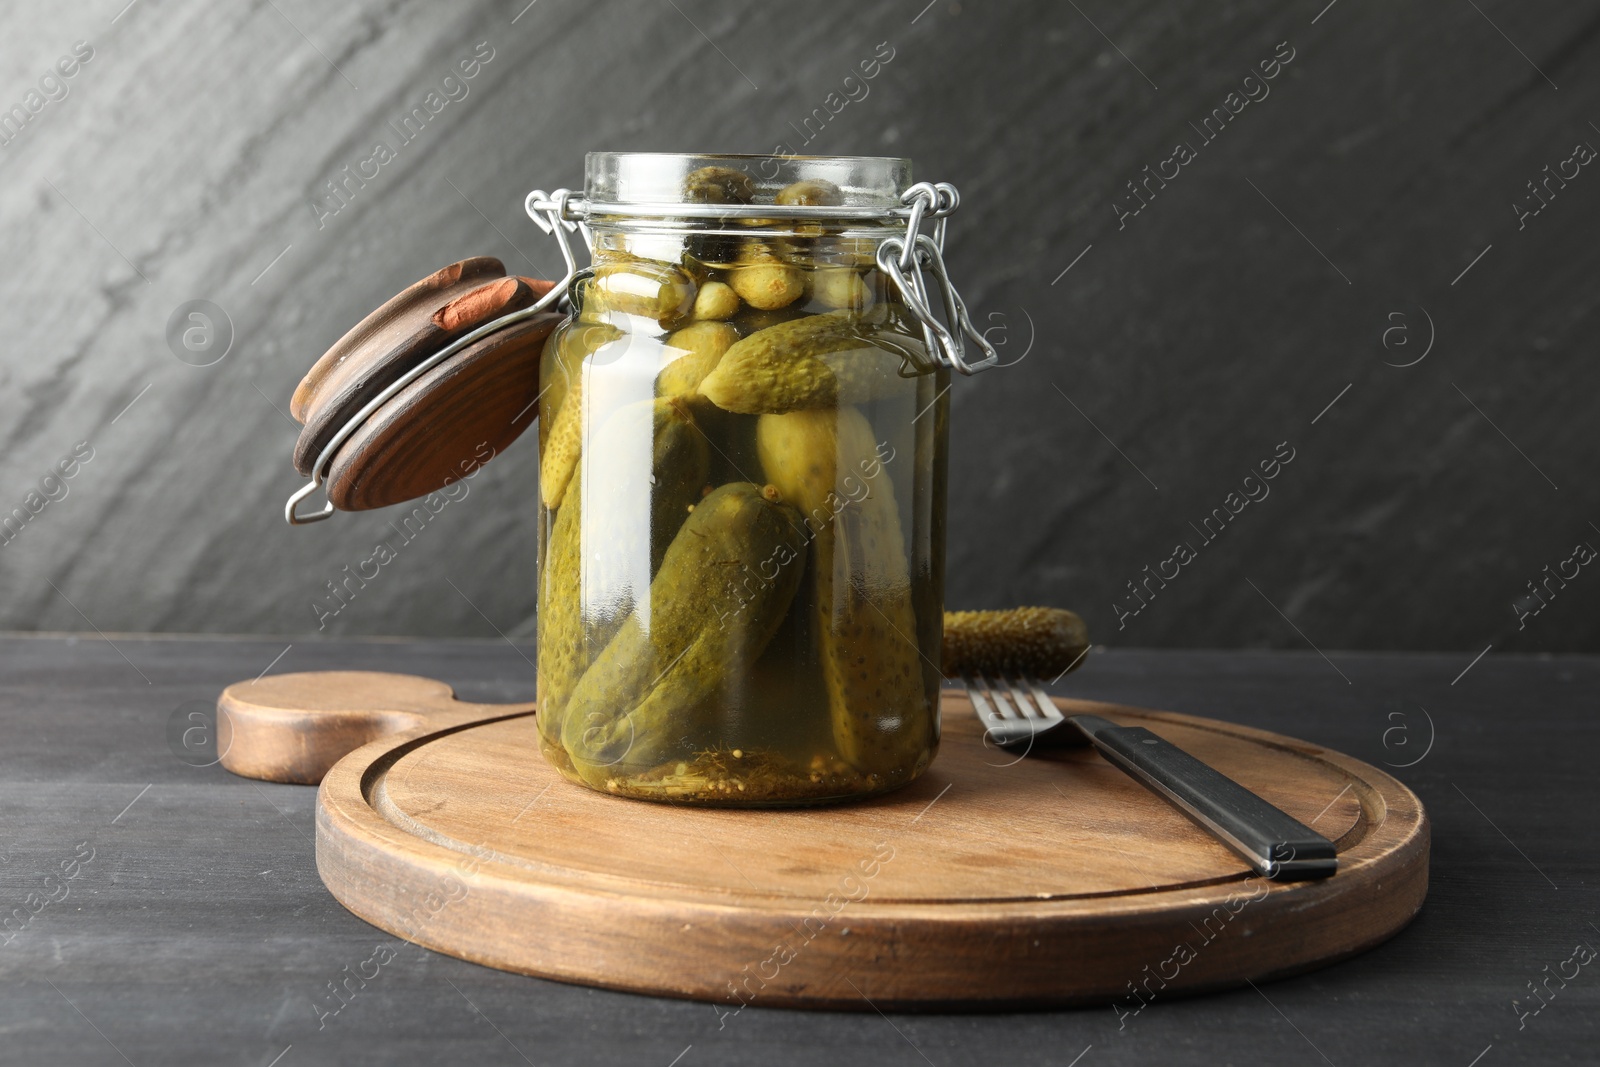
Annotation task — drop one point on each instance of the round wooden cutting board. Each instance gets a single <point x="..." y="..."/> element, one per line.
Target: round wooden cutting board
<point x="992" y="881"/>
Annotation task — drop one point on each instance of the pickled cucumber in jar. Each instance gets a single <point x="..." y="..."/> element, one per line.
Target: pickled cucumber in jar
<point x="741" y="499"/>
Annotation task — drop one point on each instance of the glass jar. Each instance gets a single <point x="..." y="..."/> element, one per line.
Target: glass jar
<point x="742" y="466"/>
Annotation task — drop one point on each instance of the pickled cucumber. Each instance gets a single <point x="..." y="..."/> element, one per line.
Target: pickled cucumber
<point x="765" y="281"/>
<point x="616" y="565"/>
<point x="718" y="185"/>
<point x="814" y="192"/>
<point x="827" y="464"/>
<point x="564" y="353"/>
<point x="800" y="246"/>
<point x="562" y="655"/>
<point x="715" y="300"/>
<point x="723" y="588"/>
<point x="1019" y="643"/>
<point x="815" y="362"/>
<point x="753" y="320"/>
<point x="559" y="455"/>
<point x="841" y="287"/>
<point x="635" y="286"/>
<point x="703" y="345"/>
<point x="643" y="505"/>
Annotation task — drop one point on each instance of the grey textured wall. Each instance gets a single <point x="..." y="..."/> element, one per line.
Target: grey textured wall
<point x="1168" y="352"/>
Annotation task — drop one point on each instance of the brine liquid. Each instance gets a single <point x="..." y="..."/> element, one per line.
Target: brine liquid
<point x="831" y="694"/>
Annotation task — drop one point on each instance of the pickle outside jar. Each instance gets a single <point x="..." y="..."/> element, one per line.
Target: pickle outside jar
<point x="742" y="480"/>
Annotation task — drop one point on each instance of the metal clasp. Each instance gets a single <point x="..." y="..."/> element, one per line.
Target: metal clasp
<point x="904" y="259"/>
<point x="559" y="213"/>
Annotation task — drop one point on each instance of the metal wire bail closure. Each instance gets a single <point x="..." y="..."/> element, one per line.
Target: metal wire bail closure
<point x="552" y="214"/>
<point x="904" y="259"/>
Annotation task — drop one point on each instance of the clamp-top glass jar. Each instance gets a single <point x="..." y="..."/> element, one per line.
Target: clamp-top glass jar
<point x="743" y="447"/>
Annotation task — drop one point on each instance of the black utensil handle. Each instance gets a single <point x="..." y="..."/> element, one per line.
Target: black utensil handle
<point x="1277" y="845"/>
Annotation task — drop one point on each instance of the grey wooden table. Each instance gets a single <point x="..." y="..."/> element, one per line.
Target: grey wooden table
<point x="172" y="914"/>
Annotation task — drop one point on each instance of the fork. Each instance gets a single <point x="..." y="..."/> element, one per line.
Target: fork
<point x="1018" y="715"/>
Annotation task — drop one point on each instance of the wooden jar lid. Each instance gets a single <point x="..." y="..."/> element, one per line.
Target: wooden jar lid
<point x="449" y="421"/>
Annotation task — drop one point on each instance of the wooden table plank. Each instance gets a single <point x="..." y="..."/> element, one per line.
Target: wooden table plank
<point x="199" y="931"/>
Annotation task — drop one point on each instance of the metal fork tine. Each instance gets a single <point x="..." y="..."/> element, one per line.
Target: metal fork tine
<point x="1024" y="705"/>
<point x="997" y="693"/>
<point x="1003" y="723"/>
<point x="1047" y="706"/>
<point x="1039" y="715"/>
<point x="980" y="702"/>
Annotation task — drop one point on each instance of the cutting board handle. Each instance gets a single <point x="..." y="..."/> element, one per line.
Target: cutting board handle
<point x="293" y="727"/>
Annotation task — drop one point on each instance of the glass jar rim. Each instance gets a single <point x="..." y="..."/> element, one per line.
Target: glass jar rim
<point x="636" y="182"/>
